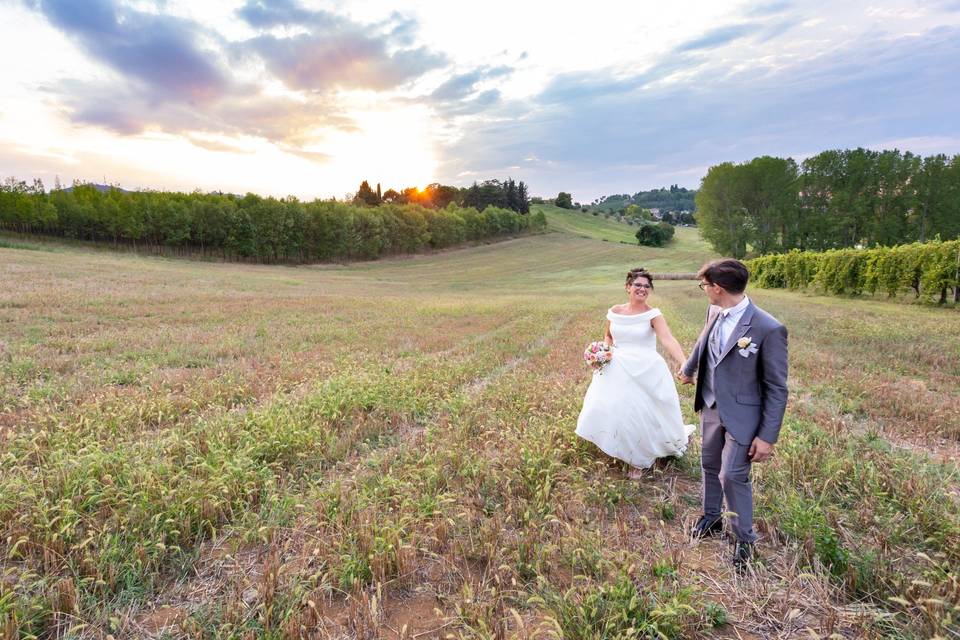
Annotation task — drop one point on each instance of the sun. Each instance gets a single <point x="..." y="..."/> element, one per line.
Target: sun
<point x="393" y="146"/>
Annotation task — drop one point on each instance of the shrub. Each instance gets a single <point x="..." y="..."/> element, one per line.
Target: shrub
<point x="930" y="269"/>
<point x="654" y="235"/>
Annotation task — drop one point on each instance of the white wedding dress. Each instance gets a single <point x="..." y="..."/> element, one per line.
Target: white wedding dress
<point x="632" y="410"/>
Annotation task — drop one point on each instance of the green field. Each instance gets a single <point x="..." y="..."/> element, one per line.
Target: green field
<point x="586" y="225"/>
<point x="685" y="253"/>
<point x="386" y="449"/>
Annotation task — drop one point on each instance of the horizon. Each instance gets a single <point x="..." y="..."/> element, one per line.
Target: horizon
<point x="107" y="185"/>
<point x="310" y="98"/>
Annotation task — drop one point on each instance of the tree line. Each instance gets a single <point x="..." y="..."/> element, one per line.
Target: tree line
<point x="833" y="200"/>
<point x="249" y="227"/>
<point x="929" y="269"/>
<point x="507" y="194"/>
<point x="674" y="199"/>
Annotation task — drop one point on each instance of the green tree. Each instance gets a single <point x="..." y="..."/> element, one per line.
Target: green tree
<point x="366" y="195"/>
<point x="768" y="191"/>
<point x="816" y="226"/>
<point x="720" y="212"/>
<point x="893" y="196"/>
<point x="523" y="198"/>
<point x="935" y="197"/>
<point x="564" y="200"/>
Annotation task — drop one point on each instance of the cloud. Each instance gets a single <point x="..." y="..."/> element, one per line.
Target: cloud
<point x="350" y="60"/>
<point x="177" y="75"/>
<point x="775" y="30"/>
<point x="719" y="36"/>
<point x="167" y="77"/>
<point x="400" y="30"/>
<point x="312" y="156"/>
<point x="921" y="145"/>
<point x="600" y="129"/>
<point x="163" y="54"/>
<point x="575" y="87"/>
<point x="464" y="84"/>
<point x="947" y="5"/>
<point x="128" y="111"/>
<point x="332" y="51"/>
<point x="769" y="8"/>
<point x="264" y="15"/>
<point x="215" y="145"/>
<point x="481" y="103"/>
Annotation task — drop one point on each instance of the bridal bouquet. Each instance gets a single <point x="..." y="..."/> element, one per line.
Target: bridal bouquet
<point x="597" y="354"/>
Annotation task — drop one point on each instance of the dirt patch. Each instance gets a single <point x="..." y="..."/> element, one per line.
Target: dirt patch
<point x="415" y="616"/>
<point x="160" y="621"/>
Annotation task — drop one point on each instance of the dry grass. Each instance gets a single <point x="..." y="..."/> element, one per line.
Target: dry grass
<point x="387" y="450"/>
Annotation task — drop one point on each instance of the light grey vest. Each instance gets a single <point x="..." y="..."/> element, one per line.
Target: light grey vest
<point x="714" y="349"/>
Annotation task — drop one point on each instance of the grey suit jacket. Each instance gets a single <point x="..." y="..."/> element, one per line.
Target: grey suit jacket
<point x="751" y="391"/>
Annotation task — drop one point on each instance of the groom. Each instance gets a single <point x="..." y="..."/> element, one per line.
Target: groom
<point x="740" y="364"/>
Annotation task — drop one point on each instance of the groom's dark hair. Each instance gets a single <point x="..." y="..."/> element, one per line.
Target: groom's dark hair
<point x="728" y="273"/>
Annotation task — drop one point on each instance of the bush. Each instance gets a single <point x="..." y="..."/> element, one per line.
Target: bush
<point x="654" y="235"/>
<point x="930" y="270"/>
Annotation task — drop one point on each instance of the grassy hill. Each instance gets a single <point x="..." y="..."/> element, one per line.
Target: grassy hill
<point x="586" y="225"/>
<point x="386" y="449"/>
<point x="687" y="252"/>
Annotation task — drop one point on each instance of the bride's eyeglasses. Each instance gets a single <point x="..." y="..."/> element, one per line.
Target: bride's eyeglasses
<point x="640" y="285"/>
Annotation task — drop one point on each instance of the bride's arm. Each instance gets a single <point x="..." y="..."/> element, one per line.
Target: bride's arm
<point x="607" y="336"/>
<point x="667" y="340"/>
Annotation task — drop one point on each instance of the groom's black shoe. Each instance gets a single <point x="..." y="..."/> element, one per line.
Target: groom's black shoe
<point x="707" y="526"/>
<point x="742" y="554"/>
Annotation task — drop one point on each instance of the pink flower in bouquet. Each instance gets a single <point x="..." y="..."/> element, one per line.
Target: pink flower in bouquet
<point x="597" y="354"/>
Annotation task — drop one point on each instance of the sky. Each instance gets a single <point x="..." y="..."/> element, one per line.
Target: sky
<point x="308" y="98"/>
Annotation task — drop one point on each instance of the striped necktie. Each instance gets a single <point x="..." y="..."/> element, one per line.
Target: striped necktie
<point x="715" y="344"/>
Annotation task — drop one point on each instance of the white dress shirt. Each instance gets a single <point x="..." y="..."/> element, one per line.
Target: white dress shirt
<point x="729" y="318"/>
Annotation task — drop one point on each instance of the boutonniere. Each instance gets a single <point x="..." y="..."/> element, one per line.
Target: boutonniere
<point x="746" y="346"/>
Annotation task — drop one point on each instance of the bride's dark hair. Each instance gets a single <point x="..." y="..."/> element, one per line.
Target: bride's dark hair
<point x="639" y="272"/>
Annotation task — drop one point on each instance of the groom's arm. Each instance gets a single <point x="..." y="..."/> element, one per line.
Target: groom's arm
<point x="693" y="362"/>
<point x="773" y="383"/>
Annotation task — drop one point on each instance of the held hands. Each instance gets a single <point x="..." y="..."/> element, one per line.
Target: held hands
<point x="760" y="450"/>
<point x="684" y="379"/>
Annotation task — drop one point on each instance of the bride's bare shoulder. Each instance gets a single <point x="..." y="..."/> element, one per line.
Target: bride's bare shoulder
<point x="617" y="308"/>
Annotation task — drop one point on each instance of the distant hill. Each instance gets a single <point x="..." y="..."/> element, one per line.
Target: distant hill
<point x="99" y="187"/>
<point x="673" y="198"/>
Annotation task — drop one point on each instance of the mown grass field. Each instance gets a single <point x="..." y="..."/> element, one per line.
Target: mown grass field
<point x="688" y="247"/>
<point x="386" y="449"/>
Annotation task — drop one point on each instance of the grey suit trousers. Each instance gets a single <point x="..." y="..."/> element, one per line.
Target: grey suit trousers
<point x="726" y="476"/>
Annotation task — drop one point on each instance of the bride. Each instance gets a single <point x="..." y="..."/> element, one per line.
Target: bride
<point x="632" y="410"/>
